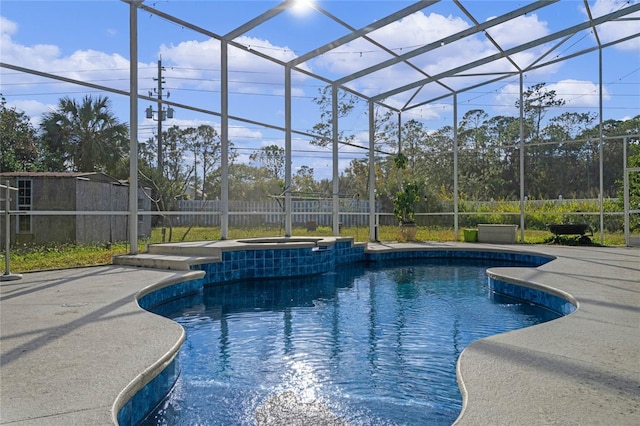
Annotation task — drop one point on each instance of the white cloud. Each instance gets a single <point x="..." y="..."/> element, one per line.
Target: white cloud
<point x="238" y="132"/>
<point x="199" y="63"/>
<point x="427" y="112"/>
<point x="518" y="30"/>
<point x="7" y="26"/>
<point x="195" y="65"/>
<point x="190" y="65"/>
<point x="404" y="35"/>
<point x="506" y="98"/>
<point x="111" y="70"/>
<point x="576" y="94"/>
<point x="419" y="29"/>
<point x="611" y="31"/>
<point x="17" y="54"/>
<point x="33" y="109"/>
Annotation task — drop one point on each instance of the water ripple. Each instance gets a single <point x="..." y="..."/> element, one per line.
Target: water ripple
<point x="368" y="346"/>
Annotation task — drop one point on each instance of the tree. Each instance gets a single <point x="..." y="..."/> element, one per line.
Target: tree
<point x="211" y="151"/>
<point x="272" y="158"/>
<point x="18" y="142"/>
<point x="414" y="136"/>
<point x="303" y="180"/>
<point x="612" y="151"/>
<point x="472" y="129"/>
<point x="438" y="162"/>
<point x="504" y="132"/>
<point x="175" y="147"/>
<point x="204" y="144"/>
<point x="537" y="100"/>
<point x="84" y="137"/>
<point x="385" y="130"/>
<point x="251" y="183"/>
<point x="324" y="129"/>
<point x="473" y="140"/>
<point x="355" y="179"/>
<point x="170" y="186"/>
<point x="566" y="167"/>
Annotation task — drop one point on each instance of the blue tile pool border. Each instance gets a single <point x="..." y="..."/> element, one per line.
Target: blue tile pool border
<point x="535" y="296"/>
<point x="147" y="398"/>
<point x="252" y="263"/>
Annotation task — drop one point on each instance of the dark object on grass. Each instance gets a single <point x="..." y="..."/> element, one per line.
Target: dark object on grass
<point x="570" y="228"/>
<point x="578" y="230"/>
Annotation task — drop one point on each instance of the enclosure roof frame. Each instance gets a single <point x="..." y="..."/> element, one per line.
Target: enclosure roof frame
<point x="567" y="31"/>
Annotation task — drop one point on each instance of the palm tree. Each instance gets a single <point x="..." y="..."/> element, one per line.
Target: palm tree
<point x="84" y="137"/>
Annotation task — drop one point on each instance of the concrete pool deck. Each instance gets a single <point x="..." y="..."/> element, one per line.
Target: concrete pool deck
<point x="72" y="341"/>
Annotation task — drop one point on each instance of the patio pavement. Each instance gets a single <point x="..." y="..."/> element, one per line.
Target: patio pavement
<point x="71" y="341"/>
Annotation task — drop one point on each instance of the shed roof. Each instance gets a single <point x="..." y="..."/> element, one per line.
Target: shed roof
<point x="92" y="176"/>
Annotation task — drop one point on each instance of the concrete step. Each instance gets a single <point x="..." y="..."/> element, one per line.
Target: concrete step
<point x="185" y="249"/>
<point x="162" y="261"/>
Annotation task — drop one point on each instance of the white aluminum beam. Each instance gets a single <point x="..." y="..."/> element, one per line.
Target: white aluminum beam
<point x="456" y="195"/>
<point x="359" y="33"/>
<point x="336" y="171"/>
<point x="601" y="144"/>
<point x="521" y="152"/>
<point x="224" y="139"/>
<point x="133" y="128"/>
<point x="517" y="49"/>
<point x="373" y="223"/>
<point x="287" y="152"/>
<point x="258" y="20"/>
<point x="447" y="40"/>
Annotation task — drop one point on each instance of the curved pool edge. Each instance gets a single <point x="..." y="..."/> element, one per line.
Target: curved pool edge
<point x="582" y="368"/>
<point x="156" y="381"/>
<point x="502" y="282"/>
<point x="151" y="296"/>
<point x="549" y="297"/>
<point x="152" y="384"/>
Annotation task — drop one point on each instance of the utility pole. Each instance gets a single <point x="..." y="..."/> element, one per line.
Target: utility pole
<point x="162" y="114"/>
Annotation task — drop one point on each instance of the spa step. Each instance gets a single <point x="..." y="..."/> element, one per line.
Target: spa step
<point x="184" y="249"/>
<point x="163" y="261"/>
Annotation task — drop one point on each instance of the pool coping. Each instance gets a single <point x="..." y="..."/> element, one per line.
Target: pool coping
<point x="74" y="341"/>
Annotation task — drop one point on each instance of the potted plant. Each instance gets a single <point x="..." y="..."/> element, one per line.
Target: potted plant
<point x="404" y="203"/>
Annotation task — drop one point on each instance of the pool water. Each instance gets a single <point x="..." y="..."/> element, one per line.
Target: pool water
<point x="369" y="345"/>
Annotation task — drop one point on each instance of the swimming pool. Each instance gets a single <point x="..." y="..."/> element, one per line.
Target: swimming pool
<point x="359" y="345"/>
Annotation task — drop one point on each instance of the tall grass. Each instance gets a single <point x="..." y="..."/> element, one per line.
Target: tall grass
<point x="538" y="214"/>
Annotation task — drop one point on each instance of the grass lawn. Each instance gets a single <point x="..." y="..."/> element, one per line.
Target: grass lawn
<point x="24" y="259"/>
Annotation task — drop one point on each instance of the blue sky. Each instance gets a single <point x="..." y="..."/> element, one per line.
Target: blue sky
<point x="89" y="40"/>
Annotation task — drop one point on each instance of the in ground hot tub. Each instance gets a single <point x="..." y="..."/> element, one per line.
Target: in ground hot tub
<point x="281" y="240"/>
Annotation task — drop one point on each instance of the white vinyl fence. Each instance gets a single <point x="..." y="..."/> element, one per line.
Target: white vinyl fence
<point x="353" y="212"/>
